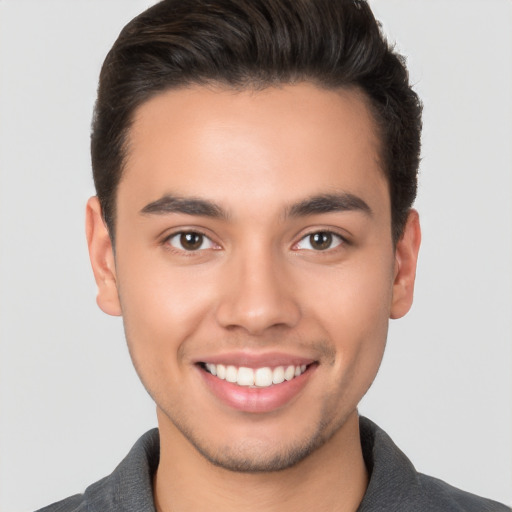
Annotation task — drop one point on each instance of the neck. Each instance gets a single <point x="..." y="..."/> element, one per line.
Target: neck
<point x="333" y="478"/>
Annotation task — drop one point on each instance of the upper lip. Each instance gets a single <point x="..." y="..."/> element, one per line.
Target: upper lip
<point x="256" y="360"/>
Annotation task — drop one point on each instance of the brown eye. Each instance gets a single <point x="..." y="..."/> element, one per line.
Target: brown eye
<point x="190" y="241"/>
<point x="320" y="241"/>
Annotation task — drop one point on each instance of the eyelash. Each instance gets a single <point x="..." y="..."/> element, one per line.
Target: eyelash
<point x="181" y="250"/>
<point x="332" y="236"/>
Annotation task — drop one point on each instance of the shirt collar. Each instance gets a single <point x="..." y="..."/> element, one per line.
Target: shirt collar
<point x="129" y="488"/>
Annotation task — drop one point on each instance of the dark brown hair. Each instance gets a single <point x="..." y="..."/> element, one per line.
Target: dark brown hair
<point x="257" y="43"/>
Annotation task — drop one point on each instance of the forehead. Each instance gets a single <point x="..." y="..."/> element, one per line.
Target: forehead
<point x="283" y="143"/>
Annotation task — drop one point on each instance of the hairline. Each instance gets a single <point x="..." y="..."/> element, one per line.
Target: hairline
<point x="254" y="85"/>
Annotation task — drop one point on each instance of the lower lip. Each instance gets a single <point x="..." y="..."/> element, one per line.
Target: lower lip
<point x="257" y="400"/>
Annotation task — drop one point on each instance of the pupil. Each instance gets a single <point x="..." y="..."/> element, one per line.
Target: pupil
<point x="191" y="241"/>
<point x="321" y="241"/>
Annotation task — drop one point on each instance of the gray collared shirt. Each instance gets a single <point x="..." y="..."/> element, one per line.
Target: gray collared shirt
<point x="395" y="486"/>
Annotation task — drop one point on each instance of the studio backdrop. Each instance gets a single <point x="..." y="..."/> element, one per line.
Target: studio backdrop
<point x="71" y="405"/>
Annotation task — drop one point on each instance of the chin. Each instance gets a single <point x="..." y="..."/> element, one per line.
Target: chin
<point x="256" y="453"/>
<point x="257" y="457"/>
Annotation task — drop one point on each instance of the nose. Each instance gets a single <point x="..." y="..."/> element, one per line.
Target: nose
<point x="258" y="295"/>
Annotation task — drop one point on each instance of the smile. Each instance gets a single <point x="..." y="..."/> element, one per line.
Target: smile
<point x="255" y="377"/>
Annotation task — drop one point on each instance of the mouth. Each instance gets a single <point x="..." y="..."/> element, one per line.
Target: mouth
<point x="262" y="377"/>
<point x="256" y="388"/>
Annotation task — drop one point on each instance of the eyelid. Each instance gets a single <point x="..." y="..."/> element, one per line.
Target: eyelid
<point x="342" y="239"/>
<point x="216" y="246"/>
<point x="176" y="233"/>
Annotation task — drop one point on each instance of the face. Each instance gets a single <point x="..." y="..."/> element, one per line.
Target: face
<point x="254" y="266"/>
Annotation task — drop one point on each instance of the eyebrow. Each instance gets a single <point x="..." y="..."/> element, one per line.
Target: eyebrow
<point x="318" y="204"/>
<point x="187" y="205"/>
<point x="327" y="203"/>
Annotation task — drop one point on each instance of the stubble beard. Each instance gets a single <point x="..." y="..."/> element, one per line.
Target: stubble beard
<point x="251" y="457"/>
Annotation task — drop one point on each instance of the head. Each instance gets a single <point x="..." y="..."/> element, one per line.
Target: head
<point x="255" y="163"/>
<point x="254" y="44"/>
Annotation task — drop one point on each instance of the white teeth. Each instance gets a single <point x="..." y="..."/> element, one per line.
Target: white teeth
<point x="212" y="368"/>
<point x="245" y="376"/>
<point x="263" y="377"/>
<point x="259" y="377"/>
<point x="289" y="373"/>
<point x="221" y="371"/>
<point x="231" y="374"/>
<point x="278" y="375"/>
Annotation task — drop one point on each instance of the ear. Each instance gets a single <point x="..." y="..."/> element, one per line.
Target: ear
<point x="406" y="258"/>
<point x="101" y="254"/>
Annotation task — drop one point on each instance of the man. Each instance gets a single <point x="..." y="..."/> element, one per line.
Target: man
<point x="255" y="165"/>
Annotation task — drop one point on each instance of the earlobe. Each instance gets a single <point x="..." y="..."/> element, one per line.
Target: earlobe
<point x="406" y="258"/>
<point x="101" y="254"/>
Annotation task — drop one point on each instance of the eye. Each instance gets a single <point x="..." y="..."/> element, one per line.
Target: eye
<point x="190" y="241"/>
<point x="320" y="241"/>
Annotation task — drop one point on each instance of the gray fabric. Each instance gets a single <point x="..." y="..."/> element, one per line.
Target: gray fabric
<point x="127" y="489"/>
<point x="395" y="486"/>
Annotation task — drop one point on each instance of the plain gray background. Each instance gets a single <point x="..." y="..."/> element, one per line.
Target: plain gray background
<point x="71" y="404"/>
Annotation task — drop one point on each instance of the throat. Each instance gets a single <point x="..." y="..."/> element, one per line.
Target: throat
<point x="332" y="478"/>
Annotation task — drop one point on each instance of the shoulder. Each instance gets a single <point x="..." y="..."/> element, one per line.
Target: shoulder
<point x="438" y="495"/>
<point x="100" y="491"/>
<point x="396" y="485"/>
<point x="128" y="487"/>
<point x="74" y="503"/>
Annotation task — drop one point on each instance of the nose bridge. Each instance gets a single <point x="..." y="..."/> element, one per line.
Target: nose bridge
<point x="258" y="295"/>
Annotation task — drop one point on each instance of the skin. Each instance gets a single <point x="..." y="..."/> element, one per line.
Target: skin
<point x="255" y="286"/>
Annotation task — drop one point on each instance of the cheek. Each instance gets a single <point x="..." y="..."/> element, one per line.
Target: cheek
<point x="353" y="307"/>
<point x="355" y="296"/>
<point x="162" y="307"/>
